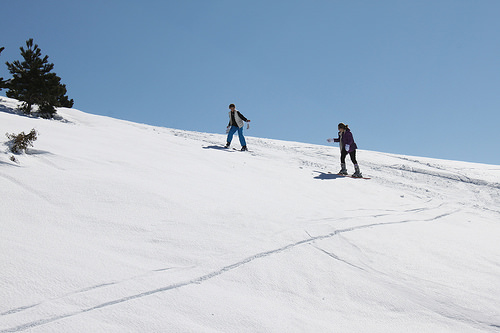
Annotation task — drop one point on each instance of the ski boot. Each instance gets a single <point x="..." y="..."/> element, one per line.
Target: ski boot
<point x="244" y="148"/>
<point x="357" y="173"/>
<point x="227" y="144"/>
<point x="343" y="170"/>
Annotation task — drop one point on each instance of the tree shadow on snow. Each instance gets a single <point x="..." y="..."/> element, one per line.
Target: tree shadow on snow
<point x="326" y="176"/>
<point x="34" y="114"/>
<point x="31" y="151"/>
<point x="7" y="163"/>
<point x="6" y="109"/>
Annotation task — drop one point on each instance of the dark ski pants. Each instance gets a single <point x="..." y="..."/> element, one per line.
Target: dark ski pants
<point x="352" y="154"/>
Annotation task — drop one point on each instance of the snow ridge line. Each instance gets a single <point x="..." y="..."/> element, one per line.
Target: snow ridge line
<point x="205" y="277"/>
<point x="454" y="177"/>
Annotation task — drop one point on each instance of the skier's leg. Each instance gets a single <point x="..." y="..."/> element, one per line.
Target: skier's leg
<point x="343" y="154"/>
<point x="242" y="138"/>
<point x="352" y="154"/>
<point x="230" y="134"/>
<point x="343" y="169"/>
<point x="356" y="173"/>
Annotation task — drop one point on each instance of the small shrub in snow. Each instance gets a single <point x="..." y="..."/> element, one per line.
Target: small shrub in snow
<point x="20" y="142"/>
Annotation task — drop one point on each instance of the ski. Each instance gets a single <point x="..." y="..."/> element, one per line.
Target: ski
<point x="350" y="176"/>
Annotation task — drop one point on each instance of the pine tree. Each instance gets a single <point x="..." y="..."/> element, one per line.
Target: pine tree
<point x="34" y="84"/>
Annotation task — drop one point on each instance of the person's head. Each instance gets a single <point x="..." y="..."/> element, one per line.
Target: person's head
<point x="232" y="107"/>
<point x="343" y="127"/>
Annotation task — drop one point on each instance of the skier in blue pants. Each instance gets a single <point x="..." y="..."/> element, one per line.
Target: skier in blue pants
<point x="236" y="123"/>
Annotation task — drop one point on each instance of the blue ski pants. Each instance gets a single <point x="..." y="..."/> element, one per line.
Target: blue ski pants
<point x="233" y="130"/>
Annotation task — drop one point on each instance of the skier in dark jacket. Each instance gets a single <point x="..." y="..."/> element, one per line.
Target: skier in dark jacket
<point x="236" y="123"/>
<point x="347" y="146"/>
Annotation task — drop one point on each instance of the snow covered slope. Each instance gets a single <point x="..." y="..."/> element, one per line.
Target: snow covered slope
<point x="112" y="226"/>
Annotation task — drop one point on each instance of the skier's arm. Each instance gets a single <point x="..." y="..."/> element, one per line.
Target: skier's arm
<point x="242" y="117"/>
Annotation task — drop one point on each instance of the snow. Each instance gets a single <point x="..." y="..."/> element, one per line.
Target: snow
<point x="113" y="226"/>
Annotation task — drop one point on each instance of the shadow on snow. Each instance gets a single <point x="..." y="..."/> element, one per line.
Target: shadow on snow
<point x="217" y="148"/>
<point x="326" y="176"/>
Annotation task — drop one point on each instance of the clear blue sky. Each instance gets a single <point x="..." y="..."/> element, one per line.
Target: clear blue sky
<point x="415" y="77"/>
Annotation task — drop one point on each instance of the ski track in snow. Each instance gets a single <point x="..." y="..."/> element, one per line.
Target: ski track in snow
<point x="27" y="188"/>
<point x="197" y="280"/>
